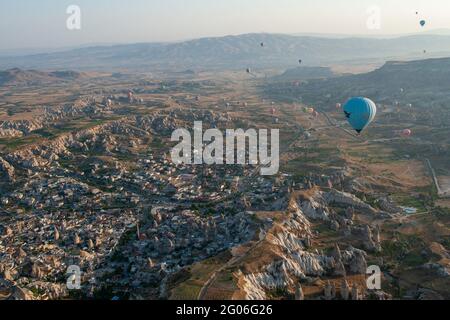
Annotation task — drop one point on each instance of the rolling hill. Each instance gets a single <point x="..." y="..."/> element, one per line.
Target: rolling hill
<point x="421" y="83"/>
<point x="18" y="76"/>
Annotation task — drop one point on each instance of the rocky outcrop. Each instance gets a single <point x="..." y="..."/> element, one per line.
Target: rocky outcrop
<point x="293" y="261"/>
<point x="371" y="241"/>
<point x="7" y="171"/>
<point x="329" y="291"/>
<point x="388" y="205"/>
<point x="19" y="128"/>
<point x="299" y="295"/>
<point x="355" y="260"/>
<point x="338" y="198"/>
<point x="345" y="290"/>
<point x="314" y="207"/>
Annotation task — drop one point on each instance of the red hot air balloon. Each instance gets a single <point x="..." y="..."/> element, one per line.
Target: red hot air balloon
<point x="406" y="133"/>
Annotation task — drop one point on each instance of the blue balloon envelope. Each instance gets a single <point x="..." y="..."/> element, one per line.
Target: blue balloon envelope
<point x="360" y="112"/>
<point x="422" y="22"/>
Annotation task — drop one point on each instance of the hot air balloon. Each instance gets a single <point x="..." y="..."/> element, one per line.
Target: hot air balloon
<point x="262" y="44"/>
<point x="330" y="184"/>
<point x="402" y="90"/>
<point x="272" y="111"/>
<point x="248" y="70"/>
<point x="338" y="105"/>
<point x="300" y="61"/>
<point x="360" y="112"/>
<point x="422" y="23"/>
<point x="130" y="96"/>
<point x="406" y="133"/>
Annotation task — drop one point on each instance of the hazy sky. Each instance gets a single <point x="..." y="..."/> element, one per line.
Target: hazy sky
<point x="42" y="23"/>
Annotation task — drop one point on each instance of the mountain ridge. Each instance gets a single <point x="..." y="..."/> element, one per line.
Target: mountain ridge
<point x="235" y="52"/>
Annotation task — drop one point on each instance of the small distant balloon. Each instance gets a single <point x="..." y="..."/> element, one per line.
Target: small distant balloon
<point x="338" y="105"/>
<point x="262" y="44"/>
<point x="300" y="61"/>
<point x="406" y="133"/>
<point x="422" y="23"/>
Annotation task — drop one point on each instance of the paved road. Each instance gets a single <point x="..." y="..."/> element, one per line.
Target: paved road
<point x="435" y="180"/>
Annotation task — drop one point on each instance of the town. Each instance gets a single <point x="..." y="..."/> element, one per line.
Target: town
<point x="235" y="152"/>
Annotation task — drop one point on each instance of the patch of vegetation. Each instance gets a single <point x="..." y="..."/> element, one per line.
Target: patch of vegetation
<point x="405" y="251"/>
<point x="278" y="293"/>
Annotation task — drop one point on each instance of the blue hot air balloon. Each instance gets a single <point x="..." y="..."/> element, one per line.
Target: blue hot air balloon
<point x="422" y="22"/>
<point x="360" y="112"/>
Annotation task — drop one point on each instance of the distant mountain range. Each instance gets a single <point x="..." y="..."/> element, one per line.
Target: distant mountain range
<point x="236" y="52"/>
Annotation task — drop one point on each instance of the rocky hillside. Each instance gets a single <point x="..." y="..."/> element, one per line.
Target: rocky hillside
<point x="18" y="76"/>
<point x="295" y="258"/>
<point x="420" y="83"/>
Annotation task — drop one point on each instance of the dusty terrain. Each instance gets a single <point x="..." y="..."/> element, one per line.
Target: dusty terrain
<point x="333" y="188"/>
